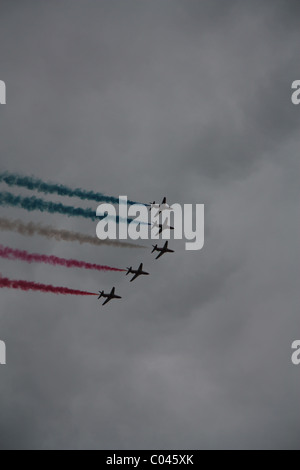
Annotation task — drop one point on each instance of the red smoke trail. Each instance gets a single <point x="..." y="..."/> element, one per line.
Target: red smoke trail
<point x="26" y="286"/>
<point x="9" y="253"/>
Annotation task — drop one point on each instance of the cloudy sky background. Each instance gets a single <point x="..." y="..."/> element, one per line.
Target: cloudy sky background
<point x="186" y="99"/>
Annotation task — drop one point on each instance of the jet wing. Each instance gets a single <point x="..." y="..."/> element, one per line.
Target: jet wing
<point x="160" y="254"/>
<point x="135" y="277"/>
<point x="113" y="292"/>
<point x="107" y="300"/>
<point x="141" y="267"/>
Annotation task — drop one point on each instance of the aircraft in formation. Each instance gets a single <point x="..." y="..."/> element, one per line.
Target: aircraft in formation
<point x="165" y="249"/>
<point x="164" y="207"/>
<point x="109" y="297"/>
<point x="138" y="272"/>
<point x="162" y="227"/>
<point x="161" y="250"/>
<point x="161" y="207"/>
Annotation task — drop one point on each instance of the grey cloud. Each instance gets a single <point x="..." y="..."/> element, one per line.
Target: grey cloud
<point x="185" y="99"/>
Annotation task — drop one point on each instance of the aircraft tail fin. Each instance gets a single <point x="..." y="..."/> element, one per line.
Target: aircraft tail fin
<point x="151" y="204"/>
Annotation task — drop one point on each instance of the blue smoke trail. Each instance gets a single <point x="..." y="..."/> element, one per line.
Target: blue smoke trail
<point x="34" y="204"/>
<point x="29" y="182"/>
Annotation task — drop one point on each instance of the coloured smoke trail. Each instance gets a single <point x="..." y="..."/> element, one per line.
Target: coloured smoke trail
<point x="29" y="182"/>
<point x="34" y="286"/>
<point x="30" y="229"/>
<point x="11" y="254"/>
<point x="34" y="204"/>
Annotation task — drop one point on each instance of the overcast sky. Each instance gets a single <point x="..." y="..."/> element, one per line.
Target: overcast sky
<point x="186" y="99"/>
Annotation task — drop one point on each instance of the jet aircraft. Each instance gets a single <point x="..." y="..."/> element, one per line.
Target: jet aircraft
<point x="163" y="250"/>
<point x="137" y="272"/>
<point x="109" y="297"/>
